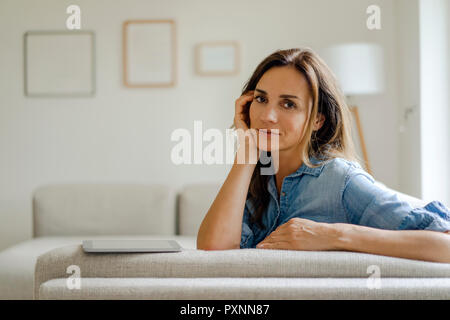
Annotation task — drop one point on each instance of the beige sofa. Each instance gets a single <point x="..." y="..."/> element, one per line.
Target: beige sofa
<point x="64" y="215"/>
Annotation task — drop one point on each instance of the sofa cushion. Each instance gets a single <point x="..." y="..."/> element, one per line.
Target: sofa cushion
<point x="247" y="288"/>
<point x="247" y="263"/>
<point x="121" y="209"/>
<point x="193" y="204"/>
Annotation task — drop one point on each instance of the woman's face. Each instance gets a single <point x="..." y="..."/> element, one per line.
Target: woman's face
<point x="281" y="101"/>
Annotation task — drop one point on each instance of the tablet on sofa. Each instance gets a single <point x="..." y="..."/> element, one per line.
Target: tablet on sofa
<point x="135" y="245"/>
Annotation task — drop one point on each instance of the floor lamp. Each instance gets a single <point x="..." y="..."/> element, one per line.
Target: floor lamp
<point x="359" y="70"/>
<point x="355" y="113"/>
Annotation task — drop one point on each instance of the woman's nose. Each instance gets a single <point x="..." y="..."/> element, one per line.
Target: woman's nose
<point x="269" y="114"/>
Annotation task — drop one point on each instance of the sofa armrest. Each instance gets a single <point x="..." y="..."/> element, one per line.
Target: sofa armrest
<point x="245" y="263"/>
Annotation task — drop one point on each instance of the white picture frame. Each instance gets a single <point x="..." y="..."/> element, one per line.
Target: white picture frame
<point x="220" y="58"/>
<point x="149" y="53"/>
<point x="59" y="63"/>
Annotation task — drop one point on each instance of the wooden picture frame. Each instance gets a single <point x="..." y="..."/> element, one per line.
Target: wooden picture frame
<point x="219" y="58"/>
<point x="149" y="53"/>
<point x="358" y="138"/>
<point x="59" y="63"/>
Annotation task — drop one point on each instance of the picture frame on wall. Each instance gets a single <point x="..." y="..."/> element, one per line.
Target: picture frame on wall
<point x="219" y="58"/>
<point x="59" y="63"/>
<point x="149" y="53"/>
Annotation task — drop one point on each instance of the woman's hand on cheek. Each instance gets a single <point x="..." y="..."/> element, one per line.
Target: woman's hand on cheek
<point x="302" y="234"/>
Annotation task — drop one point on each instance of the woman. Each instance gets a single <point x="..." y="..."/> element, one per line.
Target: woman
<point x="319" y="197"/>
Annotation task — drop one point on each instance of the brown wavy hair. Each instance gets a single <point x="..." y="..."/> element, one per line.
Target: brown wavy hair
<point x="332" y="140"/>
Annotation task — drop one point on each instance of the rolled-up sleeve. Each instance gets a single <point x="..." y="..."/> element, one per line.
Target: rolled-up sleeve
<point x="368" y="204"/>
<point x="247" y="235"/>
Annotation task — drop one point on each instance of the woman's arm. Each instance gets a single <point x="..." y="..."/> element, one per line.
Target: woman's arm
<point x="222" y="226"/>
<point x="379" y="222"/>
<point x="305" y="234"/>
<point x="411" y="244"/>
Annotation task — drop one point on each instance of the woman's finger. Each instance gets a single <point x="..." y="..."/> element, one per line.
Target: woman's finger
<point x="242" y="100"/>
<point x="275" y="245"/>
<point x="240" y="116"/>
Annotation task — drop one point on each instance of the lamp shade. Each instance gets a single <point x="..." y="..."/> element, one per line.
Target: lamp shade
<point x="359" y="67"/>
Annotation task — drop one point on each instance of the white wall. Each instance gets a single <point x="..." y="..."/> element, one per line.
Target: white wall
<point x="423" y="34"/>
<point x="123" y="135"/>
<point x="435" y="99"/>
<point x="408" y="66"/>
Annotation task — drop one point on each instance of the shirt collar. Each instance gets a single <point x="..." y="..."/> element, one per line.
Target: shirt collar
<point x="308" y="170"/>
<point x="303" y="169"/>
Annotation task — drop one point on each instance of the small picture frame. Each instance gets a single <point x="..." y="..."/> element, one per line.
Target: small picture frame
<point x="219" y="58"/>
<point x="59" y="63"/>
<point x="149" y="53"/>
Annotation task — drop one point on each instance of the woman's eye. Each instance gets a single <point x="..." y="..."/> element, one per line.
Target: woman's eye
<point x="286" y="104"/>
<point x="289" y="104"/>
<point x="257" y="98"/>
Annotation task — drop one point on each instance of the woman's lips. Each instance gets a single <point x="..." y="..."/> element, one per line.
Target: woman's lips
<point x="268" y="132"/>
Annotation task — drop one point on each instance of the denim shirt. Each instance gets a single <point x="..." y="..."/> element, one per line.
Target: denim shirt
<point x="339" y="191"/>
